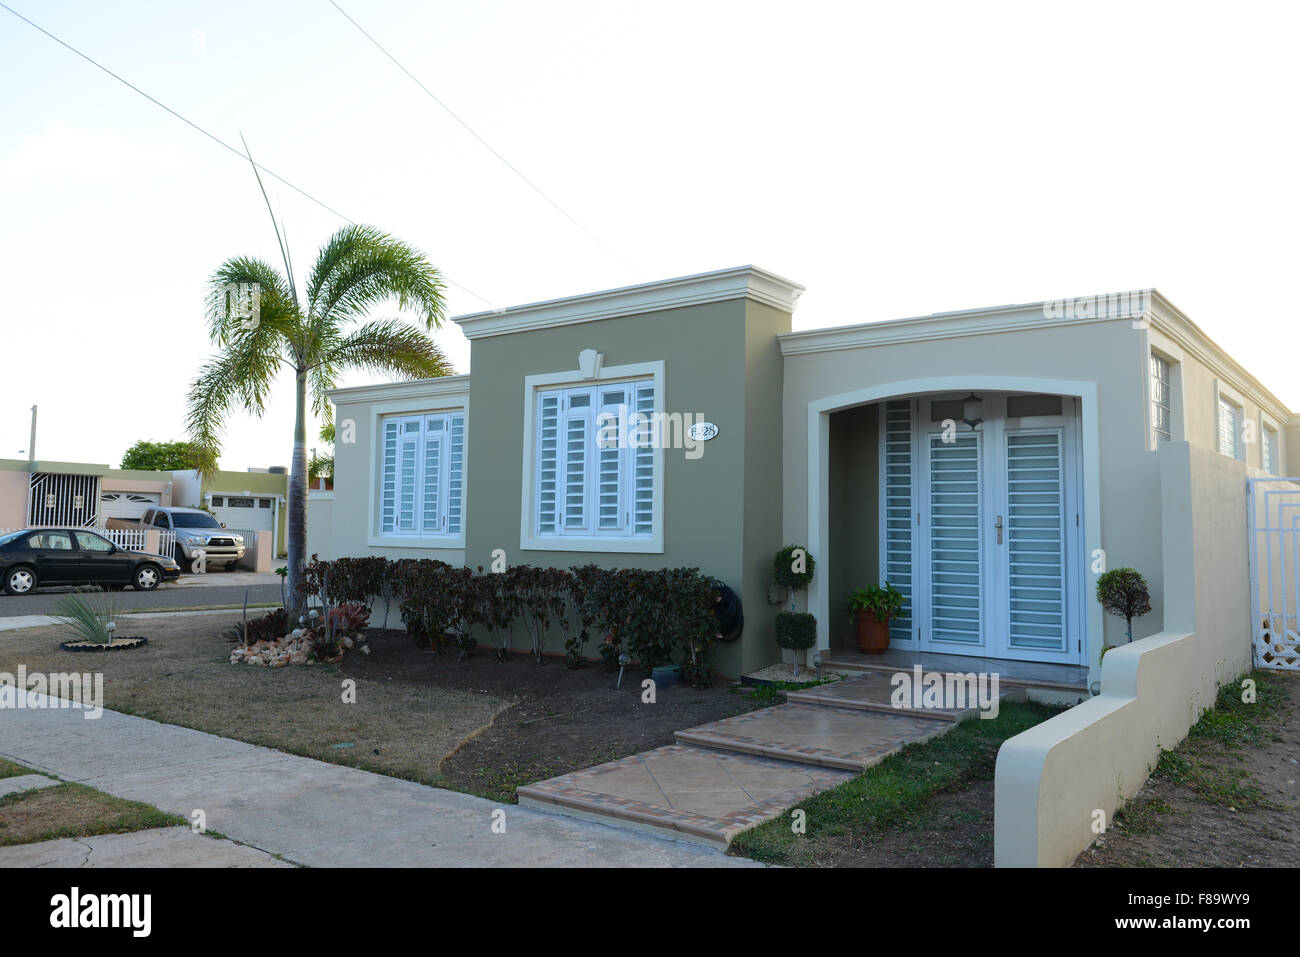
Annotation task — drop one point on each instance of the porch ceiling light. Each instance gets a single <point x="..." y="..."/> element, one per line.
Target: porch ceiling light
<point x="971" y="406"/>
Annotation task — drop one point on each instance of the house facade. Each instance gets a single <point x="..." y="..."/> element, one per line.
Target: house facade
<point x="989" y="463"/>
<point x="91" y="495"/>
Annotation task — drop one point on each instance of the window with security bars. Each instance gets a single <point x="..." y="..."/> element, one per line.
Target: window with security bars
<point x="594" y="469"/>
<point x="1161" y="414"/>
<point x="1230" y="439"/>
<point x="422" y="472"/>
<point x="1268" y="451"/>
<point x="896" y="479"/>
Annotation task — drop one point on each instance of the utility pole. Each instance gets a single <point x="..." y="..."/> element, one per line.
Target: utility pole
<point x="31" y="469"/>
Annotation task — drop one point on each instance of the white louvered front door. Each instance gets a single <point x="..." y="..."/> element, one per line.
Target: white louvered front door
<point x="952" y="517"/>
<point x="994" y="529"/>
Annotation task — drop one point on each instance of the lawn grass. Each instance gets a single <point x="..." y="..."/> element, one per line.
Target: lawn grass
<point x="183" y="677"/>
<point x="895" y="792"/>
<point x="1223" y="732"/>
<point x="73" y="810"/>
<point x="10" y="770"/>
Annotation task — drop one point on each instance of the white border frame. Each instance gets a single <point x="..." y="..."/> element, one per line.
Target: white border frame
<point x="422" y="406"/>
<point x="528" y="541"/>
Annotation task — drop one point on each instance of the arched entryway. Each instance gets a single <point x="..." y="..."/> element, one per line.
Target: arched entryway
<point x="977" y="497"/>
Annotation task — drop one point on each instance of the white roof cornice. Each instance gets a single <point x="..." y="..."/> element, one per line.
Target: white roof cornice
<point x="1174" y="323"/>
<point x="951" y="325"/>
<point x="740" y="282"/>
<point x="450" y="385"/>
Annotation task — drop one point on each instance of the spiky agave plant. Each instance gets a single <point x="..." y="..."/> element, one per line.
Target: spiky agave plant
<point x="86" y="614"/>
<point x="316" y="337"/>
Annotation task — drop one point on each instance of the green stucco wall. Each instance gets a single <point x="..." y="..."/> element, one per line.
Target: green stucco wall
<point x="721" y="510"/>
<point x="855" y="504"/>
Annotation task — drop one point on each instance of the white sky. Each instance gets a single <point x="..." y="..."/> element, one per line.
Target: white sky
<point x="897" y="159"/>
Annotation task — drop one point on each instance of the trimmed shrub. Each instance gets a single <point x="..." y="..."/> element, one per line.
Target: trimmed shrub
<point x="1123" y="592"/>
<point x="796" y="630"/>
<point x="792" y="567"/>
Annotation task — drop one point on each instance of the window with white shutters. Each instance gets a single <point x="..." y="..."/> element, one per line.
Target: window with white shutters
<point x="594" y="474"/>
<point x="421" y="474"/>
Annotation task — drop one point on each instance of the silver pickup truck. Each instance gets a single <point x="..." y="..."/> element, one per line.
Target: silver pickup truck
<point x="196" y="532"/>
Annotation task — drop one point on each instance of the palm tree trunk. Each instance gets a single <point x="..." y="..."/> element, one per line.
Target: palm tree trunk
<point x="297" y="517"/>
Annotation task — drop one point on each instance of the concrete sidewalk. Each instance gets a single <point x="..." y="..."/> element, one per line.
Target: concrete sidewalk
<point x="157" y="847"/>
<point x="311" y="812"/>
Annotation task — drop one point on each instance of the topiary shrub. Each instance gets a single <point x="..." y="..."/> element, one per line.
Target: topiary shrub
<point x="1123" y="592"/>
<point x="796" y="631"/>
<point x="792" y="567"/>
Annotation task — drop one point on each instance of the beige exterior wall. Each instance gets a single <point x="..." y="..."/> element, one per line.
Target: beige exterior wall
<point x="1199" y="377"/>
<point x="1102" y="359"/>
<point x="1052" y="780"/>
<point x="13" y="499"/>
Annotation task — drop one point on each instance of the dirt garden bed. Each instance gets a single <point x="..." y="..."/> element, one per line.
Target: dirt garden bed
<point x="559" y="719"/>
<point x="1228" y="796"/>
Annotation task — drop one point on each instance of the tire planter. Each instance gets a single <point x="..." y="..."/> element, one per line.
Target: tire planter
<point x="729" y="612"/>
<point x="117" y="644"/>
<point x="872" y="634"/>
<point x="666" y="676"/>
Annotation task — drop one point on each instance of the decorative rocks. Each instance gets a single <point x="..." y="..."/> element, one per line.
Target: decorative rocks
<point x="292" y="649"/>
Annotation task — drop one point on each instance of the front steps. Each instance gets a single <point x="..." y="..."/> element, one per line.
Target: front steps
<point x="728" y="776"/>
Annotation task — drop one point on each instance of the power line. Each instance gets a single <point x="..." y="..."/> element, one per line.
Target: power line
<point x="212" y="136"/>
<point x="488" y="146"/>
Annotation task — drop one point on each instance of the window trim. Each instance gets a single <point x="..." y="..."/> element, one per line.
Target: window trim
<point x="609" y="375"/>
<point x="412" y="407"/>
<point x="1157" y="436"/>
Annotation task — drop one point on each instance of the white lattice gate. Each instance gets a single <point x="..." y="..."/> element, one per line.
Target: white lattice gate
<point x="1273" y="513"/>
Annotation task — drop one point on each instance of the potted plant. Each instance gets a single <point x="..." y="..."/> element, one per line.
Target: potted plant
<point x="792" y="569"/>
<point x="872" y="608"/>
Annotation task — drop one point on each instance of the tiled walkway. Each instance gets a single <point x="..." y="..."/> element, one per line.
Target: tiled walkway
<point x="725" y="777"/>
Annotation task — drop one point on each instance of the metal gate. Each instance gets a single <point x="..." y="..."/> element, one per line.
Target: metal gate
<point x="1273" y="514"/>
<point x="68" y="500"/>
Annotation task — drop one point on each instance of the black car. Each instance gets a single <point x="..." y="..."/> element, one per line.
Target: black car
<point x="76" y="556"/>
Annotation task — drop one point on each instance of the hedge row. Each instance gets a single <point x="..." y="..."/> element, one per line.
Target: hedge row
<point x="657" y="617"/>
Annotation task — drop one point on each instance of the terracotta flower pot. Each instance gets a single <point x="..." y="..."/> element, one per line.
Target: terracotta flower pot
<point x="873" y="634"/>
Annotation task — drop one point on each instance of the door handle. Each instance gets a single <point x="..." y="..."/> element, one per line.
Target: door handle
<point x="998" y="526"/>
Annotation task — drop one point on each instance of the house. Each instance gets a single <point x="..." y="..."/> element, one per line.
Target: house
<point x="90" y="495"/>
<point x="75" y="493"/>
<point x="988" y="462"/>
<point x="253" y="500"/>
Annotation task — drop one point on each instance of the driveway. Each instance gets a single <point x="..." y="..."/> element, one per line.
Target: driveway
<point x="313" y="813"/>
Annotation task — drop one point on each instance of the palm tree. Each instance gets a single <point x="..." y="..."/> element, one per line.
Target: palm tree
<point x="317" y="340"/>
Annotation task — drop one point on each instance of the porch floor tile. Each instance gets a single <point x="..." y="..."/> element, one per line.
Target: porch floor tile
<point x="1024" y="674"/>
<point x="848" y="738"/>
<point x="699" y="793"/>
<point x="874" y="690"/>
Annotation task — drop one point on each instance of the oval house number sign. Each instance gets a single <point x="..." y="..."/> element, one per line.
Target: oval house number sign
<point x="702" y="431"/>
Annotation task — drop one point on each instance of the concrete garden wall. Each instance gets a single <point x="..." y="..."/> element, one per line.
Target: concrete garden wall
<point x="1053" y="779"/>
